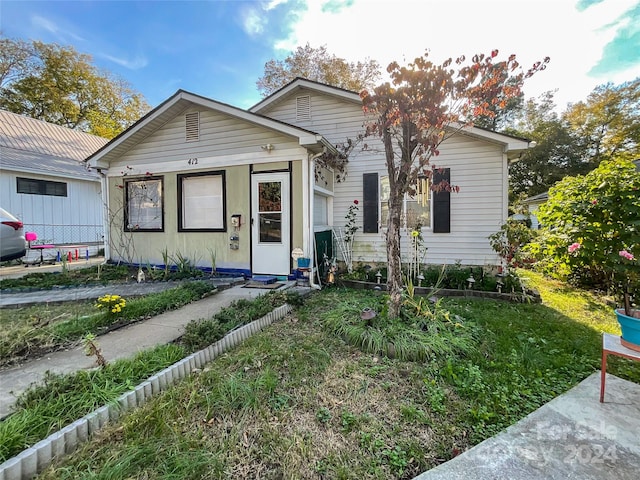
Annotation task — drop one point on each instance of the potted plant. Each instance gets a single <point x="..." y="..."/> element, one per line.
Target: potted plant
<point x="628" y="317"/>
<point x="623" y="268"/>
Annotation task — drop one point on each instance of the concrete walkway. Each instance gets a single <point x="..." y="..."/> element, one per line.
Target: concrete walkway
<point x="573" y="436"/>
<point x="121" y="343"/>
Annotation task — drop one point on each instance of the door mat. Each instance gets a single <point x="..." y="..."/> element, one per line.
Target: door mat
<point x="268" y="286"/>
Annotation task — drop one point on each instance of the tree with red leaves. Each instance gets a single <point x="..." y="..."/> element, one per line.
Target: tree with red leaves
<point x="424" y="105"/>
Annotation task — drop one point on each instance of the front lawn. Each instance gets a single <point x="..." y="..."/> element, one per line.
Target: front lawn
<point x="28" y="332"/>
<point x="62" y="399"/>
<point x="298" y="401"/>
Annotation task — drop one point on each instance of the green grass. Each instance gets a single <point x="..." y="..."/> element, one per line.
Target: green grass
<point x="99" y="274"/>
<point x="32" y="331"/>
<point x="72" y="277"/>
<point x="420" y="337"/>
<point x="297" y="401"/>
<point x="63" y="399"/>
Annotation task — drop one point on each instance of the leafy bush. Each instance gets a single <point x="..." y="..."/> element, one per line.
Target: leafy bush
<point x="600" y="213"/>
<point x="201" y="333"/>
<point x="509" y="241"/>
<point x="422" y="332"/>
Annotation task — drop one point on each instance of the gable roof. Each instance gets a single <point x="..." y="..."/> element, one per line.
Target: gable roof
<point x="539" y="198"/>
<point x="300" y="83"/>
<point x="34" y="146"/>
<point x="511" y="144"/>
<point x="179" y="103"/>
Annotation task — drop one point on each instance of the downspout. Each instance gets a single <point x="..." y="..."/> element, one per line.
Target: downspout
<point x="106" y="230"/>
<point x="312" y="237"/>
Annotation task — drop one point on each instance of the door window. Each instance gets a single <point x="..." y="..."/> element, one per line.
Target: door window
<point x="270" y="212"/>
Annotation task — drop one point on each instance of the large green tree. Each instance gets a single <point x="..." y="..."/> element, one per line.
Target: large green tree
<point x="608" y="122"/>
<point x="61" y="86"/>
<point x="319" y="65"/>
<point x="425" y="104"/>
<point x="606" y="125"/>
<point x="559" y="151"/>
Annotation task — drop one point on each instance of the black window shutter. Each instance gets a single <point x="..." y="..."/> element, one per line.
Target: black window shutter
<point x="441" y="203"/>
<point x="370" y="202"/>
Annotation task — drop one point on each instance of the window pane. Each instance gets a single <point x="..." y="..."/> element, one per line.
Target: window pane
<point x="203" y="202"/>
<point x="320" y="216"/>
<point x="417" y="213"/>
<point x="384" y="201"/>
<point x="270" y="227"/>
<point x="416" y="209"/>
<point x="269" y="197"/>
<point x="41" y="187"/>
<point x="144" y="200"/>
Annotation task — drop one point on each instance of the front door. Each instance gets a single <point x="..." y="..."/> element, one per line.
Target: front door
<point x="270" y="224"/>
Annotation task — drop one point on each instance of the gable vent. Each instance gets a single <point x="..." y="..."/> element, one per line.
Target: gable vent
<point x="192" y="126"/>
<point x="303" y="108"/>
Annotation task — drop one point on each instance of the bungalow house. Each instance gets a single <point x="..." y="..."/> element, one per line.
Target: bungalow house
<point x="45" y="183"/>
<point x="533" y="203"/>
<point x="196" y="178"/>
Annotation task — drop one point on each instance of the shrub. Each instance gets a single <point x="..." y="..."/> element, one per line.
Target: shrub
<point x="598" y="211"/>
<point x="509" y="241"/>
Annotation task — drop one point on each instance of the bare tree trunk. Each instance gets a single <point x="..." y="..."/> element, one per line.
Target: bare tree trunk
<point x="397" y="188"/>
<point x="394" y="263"/>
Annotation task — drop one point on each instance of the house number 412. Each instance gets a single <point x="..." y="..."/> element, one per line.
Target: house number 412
<point x="192" y="161"/>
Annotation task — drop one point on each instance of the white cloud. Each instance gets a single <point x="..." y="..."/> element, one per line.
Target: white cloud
<point x="532" y="29"/>
<point x="253" y="21"/>
<point x="273" y="4"/>
<point x="63" y="34"/>
<point x="132" y="64"/>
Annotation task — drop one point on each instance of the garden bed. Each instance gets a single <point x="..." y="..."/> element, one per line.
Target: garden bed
<point x="528" y="296"/>
<point x="109" y="274"/>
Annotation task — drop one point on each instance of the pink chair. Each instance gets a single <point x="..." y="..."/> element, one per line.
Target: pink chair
<point x="30" y="237"/>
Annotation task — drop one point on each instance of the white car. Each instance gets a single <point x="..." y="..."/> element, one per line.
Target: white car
<point x="12" y="242"/>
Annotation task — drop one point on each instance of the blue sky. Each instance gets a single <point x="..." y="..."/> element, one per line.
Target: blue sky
<point x="218" y="48"/>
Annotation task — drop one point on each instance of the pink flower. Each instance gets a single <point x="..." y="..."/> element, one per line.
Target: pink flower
<point x="594" y="202"/>
<point x="573" y="247"/>
<point x="627" y="255"/>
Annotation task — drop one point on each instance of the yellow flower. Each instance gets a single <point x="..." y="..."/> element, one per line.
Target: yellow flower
<point x="415" y="233"/>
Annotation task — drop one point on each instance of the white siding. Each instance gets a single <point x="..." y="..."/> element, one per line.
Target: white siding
<point x="477" y="167"/>
<point x="220" y="136"/>
<point x="76" y="218"/>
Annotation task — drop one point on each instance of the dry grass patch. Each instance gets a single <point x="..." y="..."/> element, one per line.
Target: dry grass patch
<point x="292" y="402"/>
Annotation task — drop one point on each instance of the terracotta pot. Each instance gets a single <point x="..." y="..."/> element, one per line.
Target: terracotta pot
<point x="630" y="326"/>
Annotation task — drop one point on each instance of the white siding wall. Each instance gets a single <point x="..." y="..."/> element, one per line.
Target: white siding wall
<point x="220" y="136"/>
<point x="477" y="167"/>
<point x="76" y="218"/>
